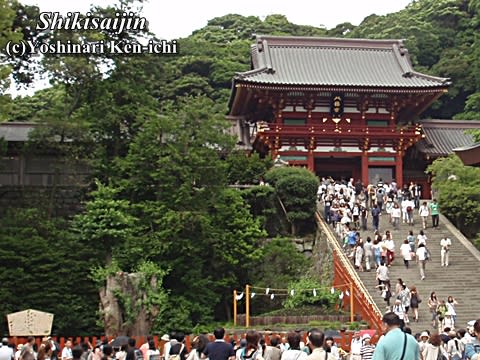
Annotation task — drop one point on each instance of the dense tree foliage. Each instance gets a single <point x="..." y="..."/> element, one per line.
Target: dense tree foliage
<point x="44" y="266"/>
<point x="152" y="131"/>
<point x="459" y="197"/>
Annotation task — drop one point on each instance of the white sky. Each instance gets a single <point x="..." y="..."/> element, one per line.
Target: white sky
<point x="171" y="19"/>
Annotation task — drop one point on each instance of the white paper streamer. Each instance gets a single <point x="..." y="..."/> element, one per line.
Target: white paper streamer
<point x="252" y="295"/>
<point x="267" y="291"/>
<point x="239" y="296"/>
<point x="340" y="296"/>
<point x="332" y="291"/>
<point x="272" y="296"/>
<point x="314" y="292"/>
<point x="292" y="292"/>
<point x="347" y="293"/>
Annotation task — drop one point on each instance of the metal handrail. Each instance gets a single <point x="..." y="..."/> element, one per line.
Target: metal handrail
<point x="347" y="265"/>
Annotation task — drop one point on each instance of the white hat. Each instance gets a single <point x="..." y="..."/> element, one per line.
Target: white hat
<point x="424" y="334"/>
<point x="165" y="337"/>
<point x="471" y="323"/>
<point x="366" y="336"/>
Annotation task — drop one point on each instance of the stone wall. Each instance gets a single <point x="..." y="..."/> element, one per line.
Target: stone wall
<point x="63" y="201"/>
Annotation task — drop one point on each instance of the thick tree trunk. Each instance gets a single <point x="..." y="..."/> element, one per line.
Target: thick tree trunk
<point x="122" y="305"/>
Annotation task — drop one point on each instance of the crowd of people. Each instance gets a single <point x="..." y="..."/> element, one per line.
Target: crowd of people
<point x="396" y="342"/>
<point x="348" y="205"/>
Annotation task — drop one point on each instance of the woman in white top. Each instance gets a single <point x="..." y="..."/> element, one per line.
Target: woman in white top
<point x="359" y="256"/>
<point x="396" y="215"/>
<point x="422" y="238"/>
<point x="451" y="302"/>
<point x="424" y="212"/>
<point x="433" y="348"/>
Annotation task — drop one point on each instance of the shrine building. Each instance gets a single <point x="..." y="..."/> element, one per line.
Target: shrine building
<point x="340" y="107"/>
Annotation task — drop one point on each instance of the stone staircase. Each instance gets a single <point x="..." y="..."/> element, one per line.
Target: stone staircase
<point x="460" y="279"/>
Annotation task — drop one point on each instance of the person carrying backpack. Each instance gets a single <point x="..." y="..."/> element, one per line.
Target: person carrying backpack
<point x="455" y="347"/>
<point x="178" y="351"/>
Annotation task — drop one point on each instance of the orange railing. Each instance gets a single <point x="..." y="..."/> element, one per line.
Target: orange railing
<point x="360" y="300"/>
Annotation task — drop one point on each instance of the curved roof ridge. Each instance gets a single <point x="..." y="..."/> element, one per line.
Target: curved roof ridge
<point x="323" y="41"/>
<point x="446" y="81"/>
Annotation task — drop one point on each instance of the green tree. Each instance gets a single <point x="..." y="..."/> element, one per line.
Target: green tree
<point x="459" y="192"/>
<point x="107" y="222"/>
<point x="296" y="191"/>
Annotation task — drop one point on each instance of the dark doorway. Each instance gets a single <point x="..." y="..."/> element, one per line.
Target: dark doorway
<point x="339" y="168"/>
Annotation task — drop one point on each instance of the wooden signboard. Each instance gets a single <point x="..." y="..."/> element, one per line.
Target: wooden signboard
<point x="30" y="323"/>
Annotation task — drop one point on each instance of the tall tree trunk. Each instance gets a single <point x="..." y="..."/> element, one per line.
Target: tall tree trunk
<point x="122" y="305"/>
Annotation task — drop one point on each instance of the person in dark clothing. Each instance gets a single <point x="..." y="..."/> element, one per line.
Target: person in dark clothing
<point x="219" y="349"/>
<point x="131" y="349"/>
<point x="376" y="216"/>
<point x="77" y="352"/>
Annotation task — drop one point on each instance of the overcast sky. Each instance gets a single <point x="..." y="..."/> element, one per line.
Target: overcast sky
<point x="171" y="19"/>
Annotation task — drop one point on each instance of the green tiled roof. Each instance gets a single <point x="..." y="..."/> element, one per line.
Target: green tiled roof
<point x="305" y="61"/>
<point x="442" y="136"/>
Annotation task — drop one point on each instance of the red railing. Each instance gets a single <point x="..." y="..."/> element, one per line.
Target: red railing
<point x="344" y="273"/>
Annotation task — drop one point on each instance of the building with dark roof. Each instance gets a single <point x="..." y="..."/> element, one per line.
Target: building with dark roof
<point x="340" y="107"/>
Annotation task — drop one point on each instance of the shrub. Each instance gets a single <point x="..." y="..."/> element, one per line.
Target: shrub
<point x="308" y="291"/>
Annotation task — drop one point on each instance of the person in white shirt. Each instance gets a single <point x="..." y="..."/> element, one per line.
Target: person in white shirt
<point x="408" y="211"/>
<point x="356" y="347"/>
<point x="405" y="251"/>
<point x="294" y="351"/>
<point x="445" y="244"/>
<point x="424" y="212"/>
<point x="67" y="351"/>
<point x="421" y="259"/>
<point x="6" y="352"/>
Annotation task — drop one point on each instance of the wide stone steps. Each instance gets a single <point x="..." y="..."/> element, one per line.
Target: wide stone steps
<point x="460" y="279"/>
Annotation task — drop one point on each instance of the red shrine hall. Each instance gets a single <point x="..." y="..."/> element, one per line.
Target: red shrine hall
<point x="340" y="107"/>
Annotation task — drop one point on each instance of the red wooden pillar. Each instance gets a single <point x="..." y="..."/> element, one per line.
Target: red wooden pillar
<point x="399" y="169"/>
<point x="364" y="174"/>
<point x="311" y="161"/>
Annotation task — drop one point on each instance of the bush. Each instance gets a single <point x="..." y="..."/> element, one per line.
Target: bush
<point x="308" y="291"/>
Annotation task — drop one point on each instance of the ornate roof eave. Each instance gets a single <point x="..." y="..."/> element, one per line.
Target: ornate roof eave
<point x="342" y="88"/>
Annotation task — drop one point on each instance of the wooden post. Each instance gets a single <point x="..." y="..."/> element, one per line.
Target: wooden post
<point x="310" y="161"/>
<point x="365" y="168"/>
<point x="352" y="317"/>
<point x="235" y="307"/>
<point x="399" y="169"/>
<point x="247" y="306"/>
